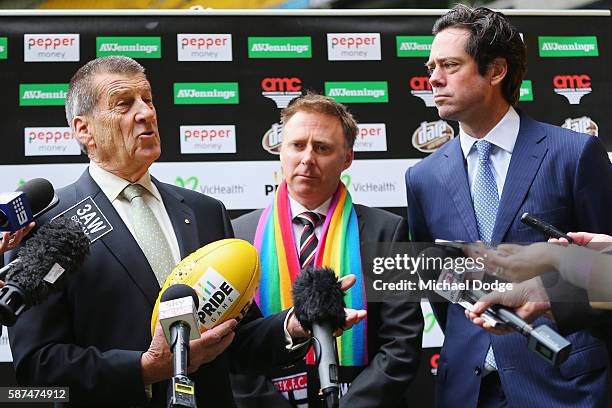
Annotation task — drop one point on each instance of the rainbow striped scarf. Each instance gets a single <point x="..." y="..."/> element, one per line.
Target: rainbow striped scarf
<point x="338" y="249"/>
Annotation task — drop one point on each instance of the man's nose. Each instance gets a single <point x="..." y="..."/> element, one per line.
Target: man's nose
<point x="436" y="78"/>
<point x="145" y="111"/>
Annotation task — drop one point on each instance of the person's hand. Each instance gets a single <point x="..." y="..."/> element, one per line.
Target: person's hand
<point x="528" y="300"/>
<point x="156" y="362"/>
<point x="297" y="332"/>
<point x="1" y="284"/>
<point x="584" y="239"/>
<point x="517" y="263"/>
<point x="12" y="240"/>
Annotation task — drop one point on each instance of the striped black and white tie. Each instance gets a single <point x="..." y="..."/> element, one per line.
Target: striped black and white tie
<point x="308" y="239"/>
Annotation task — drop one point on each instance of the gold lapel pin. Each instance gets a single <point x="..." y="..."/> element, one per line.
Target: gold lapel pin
<point x="187" y="221"/>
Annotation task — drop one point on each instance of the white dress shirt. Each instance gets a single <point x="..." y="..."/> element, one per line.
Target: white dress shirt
<point x="503" y="138"/>
<point x="112" y="186"/>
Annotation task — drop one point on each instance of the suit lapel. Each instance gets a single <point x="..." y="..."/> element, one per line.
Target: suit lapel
<point x="527" y="156"/>
<point x="120" y="241"/>
<point x="453" y="176"/>
<point x="182" y="217"/>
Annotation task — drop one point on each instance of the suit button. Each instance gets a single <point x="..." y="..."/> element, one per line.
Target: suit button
<point x="477" y="370"/>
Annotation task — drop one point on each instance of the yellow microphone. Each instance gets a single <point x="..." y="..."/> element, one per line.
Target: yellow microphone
<point x="224" y="274"/>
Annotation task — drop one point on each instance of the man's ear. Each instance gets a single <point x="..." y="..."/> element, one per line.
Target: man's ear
<point x="82" y="132"/>
<point x="498" y="70"/>
<point x="348" y="159"/>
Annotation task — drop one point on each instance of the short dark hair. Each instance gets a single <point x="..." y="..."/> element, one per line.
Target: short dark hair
<point x="82" y="97"/>
<point x="313" y="102"/>
<point x="491" y="36"/>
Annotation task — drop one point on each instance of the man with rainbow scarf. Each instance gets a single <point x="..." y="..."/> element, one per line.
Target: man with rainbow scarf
<point x="312" y="222"/>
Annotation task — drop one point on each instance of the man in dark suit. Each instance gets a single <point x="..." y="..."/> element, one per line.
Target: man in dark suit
<point x="318" y="138"/>
<point x="94" y="336"/>
<point x="477" y="186"/>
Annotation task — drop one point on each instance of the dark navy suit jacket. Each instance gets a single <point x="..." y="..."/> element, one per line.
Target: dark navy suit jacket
<point x="90" y="337"/>
<point x="560" y="176"/>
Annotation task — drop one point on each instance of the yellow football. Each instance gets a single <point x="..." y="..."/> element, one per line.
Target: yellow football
<point x="224" y="274"/>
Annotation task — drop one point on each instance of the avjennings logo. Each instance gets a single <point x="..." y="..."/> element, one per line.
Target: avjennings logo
<point x="42" y="94"/>
<point x="281" y="90"/>
<point x="353" y="46"/>
<point x="272" y="139"/>
<point x="196" y="93"/>
<point x="50" y="47"/>
<point x="3" y="48"/>
<point x="568" y="46"/>
<point x="431" y="135"/>
<point x="358" y="92"/>
<point x="573" y="87"/>
<point x="583" y="124"/>
<point x="280" y="47"/>
<point x="50" y="141"/>
<point x="421" y="88"/>
<point x="526" y="91"/>
<point x="134" y="47"/>
<point x="204" y="47"/>
<point x="413" y="45"/>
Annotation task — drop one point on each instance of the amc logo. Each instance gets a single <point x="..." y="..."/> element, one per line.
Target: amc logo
<point x="420" y="83"/>
<point x="281" y="84"/>
<point x="572" y="81"/>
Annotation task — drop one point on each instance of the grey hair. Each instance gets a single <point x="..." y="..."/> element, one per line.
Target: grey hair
<point x="82" y="97"/>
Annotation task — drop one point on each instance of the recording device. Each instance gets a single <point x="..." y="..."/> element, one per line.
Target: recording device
<point x="318" y="304"/>
<point x="57" y="249"/>
<point x="28" y="202"/>
<point x="177" y="316"/>
<point x="459" y="288"/>
<point x="544" y="227"/>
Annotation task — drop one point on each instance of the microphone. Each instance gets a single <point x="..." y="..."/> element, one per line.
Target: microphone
<point x="544" y="227"/>
<point x="58" y="248"/>
<point x="319" y="307"/>
<point x="455" y="287"/>
<point x="28" y="202"/>
<point x="177" y="315"/>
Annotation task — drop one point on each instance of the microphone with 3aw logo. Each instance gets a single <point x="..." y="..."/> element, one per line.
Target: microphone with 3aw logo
<point x="19" y="208"/>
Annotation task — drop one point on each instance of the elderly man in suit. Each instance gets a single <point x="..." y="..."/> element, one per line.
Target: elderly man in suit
<point x="477" y="186"/>
<point x="94" y="336"/>
<point x="303" y="227"/>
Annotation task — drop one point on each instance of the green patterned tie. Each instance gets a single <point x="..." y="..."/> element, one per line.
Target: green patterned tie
<point x="149" y="234"/>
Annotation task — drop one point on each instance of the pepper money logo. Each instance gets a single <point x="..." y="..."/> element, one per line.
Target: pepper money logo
<point x="50" y="141"/>
<point x="280" y="47"/>
<point x="583" y="124"/>
<point x="204" y="47"/>
<point x="358" y="92"/>
<point x="206" y="93"/>
<point x="50" y="47"/>
<point x="42" y="94"/>
<point x="430" y="136"/>
<point x="421" y="88"/>
<point x="273" y="139"/>
<point x="3" y="48"/>
<point x="573" y="87"/>
<point x="134" y="47"/>
<point x="568" y="46"/>
<point x="353" y="46"/>
<point x="281" y="90"/>
<point x="413" y="45"/>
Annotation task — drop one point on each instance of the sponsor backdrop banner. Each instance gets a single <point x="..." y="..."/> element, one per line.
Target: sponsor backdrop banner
<point x="220" y="80"/>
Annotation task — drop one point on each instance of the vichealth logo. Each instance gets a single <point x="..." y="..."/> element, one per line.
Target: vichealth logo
<point x="203" y="93"/>
<point x="134" y="47"/>
<point x="280" y="47"/>
<point x="568" y="46"/>
<point x="413" y="45"/>
<point x="42" y="94"/>
<point x="358" y="92"/>
<point x="3" y="48"/>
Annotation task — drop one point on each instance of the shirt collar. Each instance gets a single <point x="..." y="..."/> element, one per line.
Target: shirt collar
<point x="297" y="208"/>
<point x="112" y="185"/>
<point x="503" y="135"/>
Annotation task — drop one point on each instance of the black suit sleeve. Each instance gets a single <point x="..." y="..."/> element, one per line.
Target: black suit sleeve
<point x="390" y="370"/>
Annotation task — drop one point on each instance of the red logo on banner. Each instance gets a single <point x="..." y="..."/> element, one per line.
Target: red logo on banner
<point x="573" y="87"/>
<point x="281" y="90"/>
<point x="421" y="88"/>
